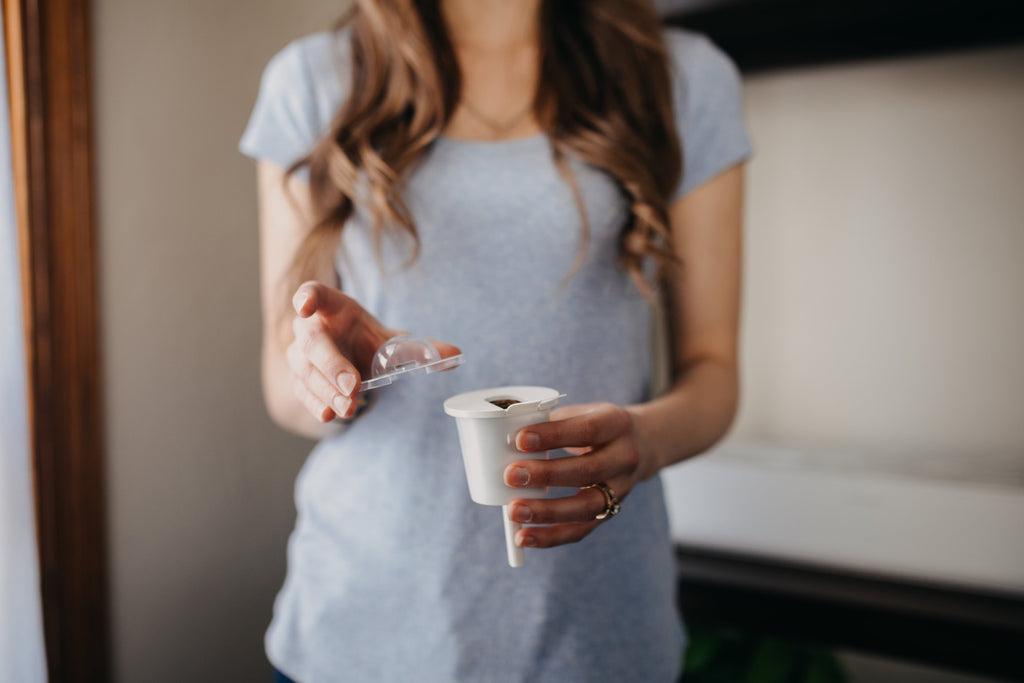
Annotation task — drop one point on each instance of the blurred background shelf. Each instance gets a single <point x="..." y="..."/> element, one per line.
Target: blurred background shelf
<point x="761" y="34"/>
<point x="943" y="521"/>
<point x="894" y="555"/>
<point x="965" y="630"/>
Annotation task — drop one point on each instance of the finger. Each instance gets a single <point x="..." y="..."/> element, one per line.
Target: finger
<point x="555" y="535"/>
<point x="598" y="425"/>
<point x="584" y="506"/>
<point x="304" y="301"/>
<point x="315" y="297"/>
<point x="445" y="349"/>
<point x="303" y="371"/>
<point x="311" y="403"/>
<point x="565" y="412"/>
<point x="615" y="459"/>
<point x="320" y="350"/>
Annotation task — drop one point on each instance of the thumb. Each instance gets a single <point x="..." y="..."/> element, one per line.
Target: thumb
<point x="445" y="350"/>
<point x="312" y="297"/>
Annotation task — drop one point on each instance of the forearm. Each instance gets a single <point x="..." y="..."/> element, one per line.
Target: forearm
<point x="688" y="419"/>
<point x="286" y="218"/>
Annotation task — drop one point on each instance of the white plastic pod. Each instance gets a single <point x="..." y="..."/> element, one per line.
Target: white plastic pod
<point x="488" y="420"/>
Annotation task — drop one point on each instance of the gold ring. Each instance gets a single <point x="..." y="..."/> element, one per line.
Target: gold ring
<point x="612" y="506"/>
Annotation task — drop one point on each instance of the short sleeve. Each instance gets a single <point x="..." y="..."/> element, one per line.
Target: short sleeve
<point x="707" y="97"/>
<point x="285" y="124"/>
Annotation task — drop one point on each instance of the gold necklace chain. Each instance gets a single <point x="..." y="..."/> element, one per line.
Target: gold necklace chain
<point x="497" y="126"/>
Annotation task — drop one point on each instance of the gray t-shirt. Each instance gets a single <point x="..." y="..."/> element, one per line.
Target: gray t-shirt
<point x="394" y="574"/>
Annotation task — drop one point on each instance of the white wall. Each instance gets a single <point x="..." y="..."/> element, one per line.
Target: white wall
<point x="883" y="341"/>
<point x="199" y="483"/>
<point x="885" y="241"/>
<point x="884" y="325"/>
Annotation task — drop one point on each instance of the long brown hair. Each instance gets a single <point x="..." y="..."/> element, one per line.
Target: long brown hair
<point x="603" y="96"/>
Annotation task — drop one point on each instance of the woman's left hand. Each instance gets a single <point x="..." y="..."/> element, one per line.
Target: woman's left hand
<point x="602" y="438"/>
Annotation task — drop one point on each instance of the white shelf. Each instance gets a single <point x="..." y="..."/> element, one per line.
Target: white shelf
<point x="770" y="501"/>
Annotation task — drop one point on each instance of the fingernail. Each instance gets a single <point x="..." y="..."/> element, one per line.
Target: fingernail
<point x="346" y="382"/>
<point x="517" y="476"/>
<point x="527" y="541"/>
<point x="530" y="441"/>
<point x="521" y="514"/>
<point x="299" y="301"/>
<point x="341" y="404"/>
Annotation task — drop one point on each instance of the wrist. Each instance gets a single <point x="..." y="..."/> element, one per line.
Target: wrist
<point x="649" y="462"/>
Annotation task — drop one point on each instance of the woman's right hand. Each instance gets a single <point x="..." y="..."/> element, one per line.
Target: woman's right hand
<point x="335" y="340"/>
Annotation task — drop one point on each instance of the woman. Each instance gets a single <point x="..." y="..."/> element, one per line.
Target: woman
<point x="502" y="175"/>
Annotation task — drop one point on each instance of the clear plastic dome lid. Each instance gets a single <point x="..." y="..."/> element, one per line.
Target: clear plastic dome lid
<point x="405" y="355"/>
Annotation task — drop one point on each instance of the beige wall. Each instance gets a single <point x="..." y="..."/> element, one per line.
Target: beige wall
<point x="199" y="483"/>
<point x="885" y="251"/>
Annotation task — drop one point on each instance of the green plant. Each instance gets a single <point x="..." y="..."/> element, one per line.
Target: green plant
<point x="725" y="656"/>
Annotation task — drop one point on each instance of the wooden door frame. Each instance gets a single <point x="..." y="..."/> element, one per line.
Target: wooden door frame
<point x="49" y="84"/>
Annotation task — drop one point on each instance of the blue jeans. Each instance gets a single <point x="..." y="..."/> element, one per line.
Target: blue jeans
<point x="281" y="678"/>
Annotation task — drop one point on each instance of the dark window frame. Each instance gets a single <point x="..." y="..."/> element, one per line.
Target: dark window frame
<point x="49" y="84"/>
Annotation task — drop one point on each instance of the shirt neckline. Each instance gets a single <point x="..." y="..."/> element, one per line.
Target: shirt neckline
<point x="502" y="143"/>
